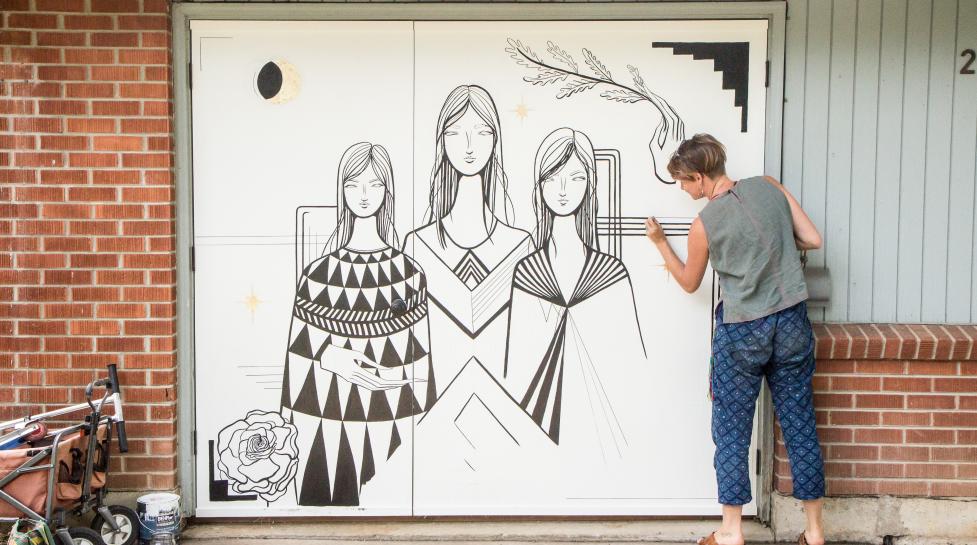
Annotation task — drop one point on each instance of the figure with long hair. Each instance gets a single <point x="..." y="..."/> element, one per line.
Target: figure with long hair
<point x="467" y="248"/>
<point x="572" y="369"/>
<point x="358" y="367"/>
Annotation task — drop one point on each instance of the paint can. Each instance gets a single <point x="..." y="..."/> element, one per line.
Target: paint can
<point x="158" y="512"/>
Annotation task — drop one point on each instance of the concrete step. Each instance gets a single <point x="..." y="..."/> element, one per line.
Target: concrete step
<point x="463" y="532"/>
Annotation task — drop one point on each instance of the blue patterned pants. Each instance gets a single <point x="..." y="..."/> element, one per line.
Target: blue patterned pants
<point x="779" y="347"/>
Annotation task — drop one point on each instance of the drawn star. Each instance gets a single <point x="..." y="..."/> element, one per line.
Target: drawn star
<point x="252" y="302"/>
<point x="667" y="274"/>
<point x="521" y="110"/>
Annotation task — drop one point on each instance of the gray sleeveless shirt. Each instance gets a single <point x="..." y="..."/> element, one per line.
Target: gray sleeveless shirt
<point x="752" y="248"/>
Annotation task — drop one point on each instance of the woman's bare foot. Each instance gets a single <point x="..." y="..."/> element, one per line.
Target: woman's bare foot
<point x="814" y="537"/>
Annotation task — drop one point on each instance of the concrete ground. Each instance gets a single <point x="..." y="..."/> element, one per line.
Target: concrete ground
<point x="462" y="533"/>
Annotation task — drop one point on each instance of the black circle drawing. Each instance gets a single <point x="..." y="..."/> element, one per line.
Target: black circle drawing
<point x="269" y="80"/>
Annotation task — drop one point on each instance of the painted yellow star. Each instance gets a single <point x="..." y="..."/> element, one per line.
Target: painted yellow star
<point x="667" y="273"/>
<point x="252" y="302"/>
<point x="521" y="110"/>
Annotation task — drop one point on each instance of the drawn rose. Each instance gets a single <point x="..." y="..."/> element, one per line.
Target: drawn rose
<point x="258" y="454"/>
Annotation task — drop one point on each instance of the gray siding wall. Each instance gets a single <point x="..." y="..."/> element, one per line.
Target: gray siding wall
<point x="880" y="145"/>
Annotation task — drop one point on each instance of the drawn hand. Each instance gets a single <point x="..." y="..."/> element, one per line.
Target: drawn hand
<point x="665" y="140"/>
<point x="654" y="230"/>
<point x="356" y="368"/>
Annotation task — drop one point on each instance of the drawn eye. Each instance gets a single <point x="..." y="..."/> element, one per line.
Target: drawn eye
<point x="377" y="184"/>
<point x="579" y="179"/>
<point x="277" y="82"/>
<point x="485" y="133"/>
<point x="350" y="186"/>
<point x="451" y="133"/>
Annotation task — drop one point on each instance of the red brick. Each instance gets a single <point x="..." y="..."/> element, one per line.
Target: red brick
<point x="42" y="294"/>
<point x="10" y="310"/>
<point x="59" y="5"/>
<point x="37" y="124"/>
<point x="953" y="489"/>
<point x="68" y="344"/>
<point x="893" y="384"/>
<point x="156" y="39"/>
<point x="68" y="310"/>
<point x="955" y="419"/>
<point x="870" y="384"/>
<point x="32" y="20"/>
<point x="144" y="22"/>
<point x="94" y="260"/>
<point x="89" y="194"/>
<point x="17" y="244"/>
<point x="116" y="6"/>
<point x="41" y="261"/>
<point x="144" y="90"/>
<point x="157" y="108"/>
<point x="90" y="56"/>
<point x="39" y="159"/>
<point x="118" y="143"/>
<point x="136" y="228"/>
<point x="881" y="367"/>
<point x="160" y="143"/>
<point x="18" y="210"/>
<point x="62" y="107"/>
<point x="884" y="470"/>
<point x="930" y="437"/>
<point x="843" y="401"/>
<point x="843" y="487"/>
<point x="903" y="453"/>
<point x="143" y="56"/>
<point x="93" y="361"/>
<point x="853" y="452"/>
<point x="19" y="106"/>
<point x="161" y="277"/>
<point x="902" y="488"/>
<point x="968" y="368"/>
<point x="122" y="278"/>
<point x="64" y="176"/>
<point x="864" y="401"/>
<point x="113" y="39"/>
<point x="95" y="327"/>
<point x="149" y="327"/>
<point x="20" y="344"/>
<point x="35" y="55"/>
<point x="35" y="194"/>
<point x="148" y="261"/>
<point x="835" y="435"/>
<point x="907" y="418"/>
<point x="116" y="177"/>
<point x="10" y="276"/>
<point x="121" y="244"/>
<point x="91" y="125"/>
<point x="64" y="142"/>
<point x="932" y="368"/>
<point x="42" y="395"/>
<point x="95" y="294"/>
<point x="61" y="38"/>
<point x="67" y="276"/>
<point x="149" y="361"/>
<point x="118" y="211"/>
<point x="88" y="22"/>
<point x="93" y="159"/>
<point x="955" y="454"/>
<point x="968" y="402"/>
<point x="35" y="89"/>
<point x="149" y="294"/>
<point x="931" y="402"/>
<point x="138" y="125"/>
<point x="90" y="90"/>
<point x="115" y="107"/>
<point x="963" y="385"/>
<point x="122" y="310"/>
<point x="158" y="73"/>
<point x="42" y="327"/>
<point x="861" y="418"/>
<point x="877" y="435"/>
<point x="15" y="37"/>
<point x="43" y="361"/>
<point x="967" y="471"/>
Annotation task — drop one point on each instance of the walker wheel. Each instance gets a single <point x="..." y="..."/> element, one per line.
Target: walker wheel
<point x="125" y="518"/>
<point x="84" y="536"/>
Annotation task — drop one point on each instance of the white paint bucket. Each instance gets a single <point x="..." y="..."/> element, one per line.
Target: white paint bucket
<point x="158" y="512"/>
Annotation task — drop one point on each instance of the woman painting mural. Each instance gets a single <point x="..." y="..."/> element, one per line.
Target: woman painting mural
<point x="357" y="368"/>
<point x="467" y="249"/>
<point x="750" y="231"/>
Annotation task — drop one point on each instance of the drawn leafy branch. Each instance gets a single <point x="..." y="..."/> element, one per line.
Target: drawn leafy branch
<point x="576" y="81"/>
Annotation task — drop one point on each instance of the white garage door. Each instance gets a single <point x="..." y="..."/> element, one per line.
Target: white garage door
<point x="421" y="281"/>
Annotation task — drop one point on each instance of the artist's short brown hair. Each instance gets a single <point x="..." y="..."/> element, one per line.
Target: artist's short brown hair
<point x="702" y="153"/>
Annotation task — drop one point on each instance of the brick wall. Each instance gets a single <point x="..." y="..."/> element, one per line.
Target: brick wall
<point x="896" y="409"/>
<point x="86" y="216"/>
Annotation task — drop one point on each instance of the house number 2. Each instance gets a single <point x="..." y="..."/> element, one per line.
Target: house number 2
<point x="969" y="55"/>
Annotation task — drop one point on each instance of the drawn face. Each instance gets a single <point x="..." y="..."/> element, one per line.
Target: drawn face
<point x="468" y="143"/>
<point x="564" y="190"/>
<point x="364" y="193"/>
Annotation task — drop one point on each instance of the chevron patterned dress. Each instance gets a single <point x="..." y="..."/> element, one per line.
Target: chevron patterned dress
<point x="346" y="432"/>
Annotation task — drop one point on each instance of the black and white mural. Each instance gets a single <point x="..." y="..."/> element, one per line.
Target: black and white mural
<point x="422" y="285"/>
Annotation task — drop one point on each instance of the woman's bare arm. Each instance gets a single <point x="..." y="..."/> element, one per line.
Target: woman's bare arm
<point x="806" y="234"/>
<point x="689" y="274"/>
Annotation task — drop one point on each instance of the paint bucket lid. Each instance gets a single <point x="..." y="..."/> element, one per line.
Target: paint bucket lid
<point x="158" y="497"/>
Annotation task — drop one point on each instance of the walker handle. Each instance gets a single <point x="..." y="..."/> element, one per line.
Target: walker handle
<point x="120" y="424"/>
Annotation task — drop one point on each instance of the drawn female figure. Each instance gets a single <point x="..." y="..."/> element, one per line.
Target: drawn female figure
<point x="357" y="368"/>
<point x="574" y="350"/>
<point x="467" y="250"/>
